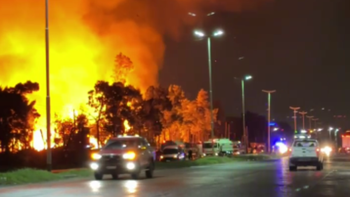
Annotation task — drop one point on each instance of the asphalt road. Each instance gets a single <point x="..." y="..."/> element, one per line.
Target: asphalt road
<point x="242" y="179"/>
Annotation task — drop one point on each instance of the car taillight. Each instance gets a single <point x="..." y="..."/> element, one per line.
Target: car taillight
<point x="317" y="151"/>
<point x="290" y="150"/>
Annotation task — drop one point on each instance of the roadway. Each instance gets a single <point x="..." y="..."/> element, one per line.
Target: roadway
<point x="243" y="179"/>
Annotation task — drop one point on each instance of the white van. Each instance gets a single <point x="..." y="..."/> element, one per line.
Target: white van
<point x="221" y="146"/>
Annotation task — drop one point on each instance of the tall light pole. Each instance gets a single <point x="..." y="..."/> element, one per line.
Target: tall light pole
<point x="315" y="122"/>
<point x="315" y="125"/>
<point x="203" y="35"/>
<point x="245" y="133"/>
<point x="269" y="92"/>
<point x="310" y="119"/>
<point x="303" y="113"/>
<point x="48" y="104"/>
<point x="330" y="129"/>
<point x="295" y="110"/>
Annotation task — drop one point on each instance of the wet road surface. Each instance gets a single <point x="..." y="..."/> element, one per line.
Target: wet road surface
<point x="242" y="179"/>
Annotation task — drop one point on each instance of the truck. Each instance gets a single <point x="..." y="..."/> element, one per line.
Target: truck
<point x="238" y="148"/>
<point x="345" y="143"/>
<point x="221" y="146"/>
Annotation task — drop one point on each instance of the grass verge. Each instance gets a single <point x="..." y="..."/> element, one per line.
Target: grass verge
<point x="28" y="175"/>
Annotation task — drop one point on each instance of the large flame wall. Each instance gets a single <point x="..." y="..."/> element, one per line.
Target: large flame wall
<point x="80" y="54"/>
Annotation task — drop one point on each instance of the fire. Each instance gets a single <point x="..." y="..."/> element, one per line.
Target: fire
<point x="126" y="126"/>
<point x="93" y="141"/>
<point x="38" y="141"/>
<point x="83" y="48"/>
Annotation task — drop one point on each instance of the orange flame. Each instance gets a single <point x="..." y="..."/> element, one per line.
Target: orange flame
<point x="93" y="141"/>
<point x="82" y="51"/>
<point x="126" y="126"/>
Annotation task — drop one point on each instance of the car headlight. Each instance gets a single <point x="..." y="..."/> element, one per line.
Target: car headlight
<point x="129" y="155"/>
<point x="94" y="166"/>
<point x="96" y="156"/>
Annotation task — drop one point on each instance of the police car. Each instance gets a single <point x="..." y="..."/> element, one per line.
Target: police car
<point x="305" y="152"/>
<point x="124" y="155"/>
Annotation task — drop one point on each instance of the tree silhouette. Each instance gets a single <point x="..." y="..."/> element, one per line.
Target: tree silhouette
<point x="17" y="116"/>
<point x="114" y="103"/>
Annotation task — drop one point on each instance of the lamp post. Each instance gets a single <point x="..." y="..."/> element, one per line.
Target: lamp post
<point x="201" y="34"/>
<point x="315" y="122"/>
<point x="303" y="113"/>
<point x="48" y="104"/>
<point x="330" y="129"/>
<point x="310" y="119"/>
<point x="336" y="137"/>
<point x="295" y="110"/>
<point x="245" y="133"/>
<point x="269" y="92"/>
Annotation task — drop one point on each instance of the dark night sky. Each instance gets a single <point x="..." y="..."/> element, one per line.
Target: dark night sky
<point x="298" y="47"/>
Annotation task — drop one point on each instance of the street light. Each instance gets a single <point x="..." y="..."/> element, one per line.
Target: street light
<point x="245" y="133"/>
<point x="269" y="92"/>
<point x="303" y="113"/>
<point x="201" y="34"/>
<point x="315" y="121"/>
<point x="336" y="137"/>
<point x="330" y="129"/>
<point x="295" y="110"/>
<point x="48" y="104"/>
<point x="310" y="118"/>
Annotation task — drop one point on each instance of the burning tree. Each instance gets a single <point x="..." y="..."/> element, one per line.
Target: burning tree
<point x="123" y="66"/>
<point x="114" y="103"/>
<point x="17" y="116"/>
<point x="156" y="103"/>
<point x="188" y="120"/>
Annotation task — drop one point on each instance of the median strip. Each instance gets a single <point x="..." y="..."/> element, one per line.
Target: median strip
<point x="28" y="175"/>
<point x="214" y="160"/>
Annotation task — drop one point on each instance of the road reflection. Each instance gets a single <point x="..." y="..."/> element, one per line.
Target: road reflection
<point x="131" y="186"/>
<point x="283" y="178"/>
<point x="95" y="186"/>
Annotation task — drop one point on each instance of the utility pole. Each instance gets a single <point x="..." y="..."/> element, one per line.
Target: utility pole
<point x="310" y="119"/>
<point x="303" y="113"/>
<point x="269" y="92"/>
<point x="295" y="110"/>
<point x="48" y="102"/>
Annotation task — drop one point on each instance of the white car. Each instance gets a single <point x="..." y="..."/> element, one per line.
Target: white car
<point x="305" y="152"/>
